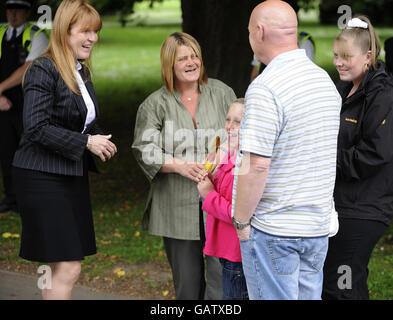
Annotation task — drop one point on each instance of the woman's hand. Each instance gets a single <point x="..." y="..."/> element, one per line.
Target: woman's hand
<point x="204" y="187"/>
<point x="191" y="170"/>
<point x="5" y="104"/>
<point x="102" y="147"/>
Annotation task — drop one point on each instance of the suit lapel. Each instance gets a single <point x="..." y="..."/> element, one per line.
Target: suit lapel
<point x="81" y="106"/>
<point x="81" y="103"/>
<point x="90" y="89"/>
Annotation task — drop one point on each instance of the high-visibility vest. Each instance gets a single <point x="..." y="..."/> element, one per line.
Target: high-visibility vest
<point x="303" y="36"/>
<point x="26" y="37"/>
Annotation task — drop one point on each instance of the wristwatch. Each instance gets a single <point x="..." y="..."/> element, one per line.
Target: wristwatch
<point x="240" y="226"/>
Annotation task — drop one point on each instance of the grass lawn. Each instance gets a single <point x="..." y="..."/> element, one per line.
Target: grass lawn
<point x="129" y="261"/>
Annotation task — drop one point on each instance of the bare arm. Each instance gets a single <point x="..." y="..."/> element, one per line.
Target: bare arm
<point x="250" y="187"/>
<point x="15" y="78"/>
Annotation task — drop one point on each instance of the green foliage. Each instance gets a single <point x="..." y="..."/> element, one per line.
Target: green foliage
<point x="377" y="10"/>
<point x="51" y="3"/>
<point x="307" y="4"/>
<point x="121" y="8"/>
<point x="126" y="70"/>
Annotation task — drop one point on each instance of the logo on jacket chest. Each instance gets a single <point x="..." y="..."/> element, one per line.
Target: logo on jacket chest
<point x="351" y="120"/>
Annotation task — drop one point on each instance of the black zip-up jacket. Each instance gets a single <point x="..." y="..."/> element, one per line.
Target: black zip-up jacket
<point x="364" y="183"/>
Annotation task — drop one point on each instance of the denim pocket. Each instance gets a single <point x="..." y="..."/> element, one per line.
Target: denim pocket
<point x="319" y="259"/>
<point x="284" y="255"/>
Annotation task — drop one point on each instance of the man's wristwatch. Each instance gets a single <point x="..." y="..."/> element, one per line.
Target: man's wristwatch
<point x="240" y="226"/>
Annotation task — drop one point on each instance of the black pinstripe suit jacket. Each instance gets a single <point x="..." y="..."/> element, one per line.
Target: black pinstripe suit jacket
<point x="53" y="119"/>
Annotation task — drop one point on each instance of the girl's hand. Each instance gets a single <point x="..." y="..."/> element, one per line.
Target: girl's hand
<point x="204" y="187"/>
<point x="102" y="147"/>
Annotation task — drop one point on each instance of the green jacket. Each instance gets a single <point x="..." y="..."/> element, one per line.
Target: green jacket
<point x="164" y="129"/>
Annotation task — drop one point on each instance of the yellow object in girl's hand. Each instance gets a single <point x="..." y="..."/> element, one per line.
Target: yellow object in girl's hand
<point x="208" y="165"/>
<point x="212" y="156"/>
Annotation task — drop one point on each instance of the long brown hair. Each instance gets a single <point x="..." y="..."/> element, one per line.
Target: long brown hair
<point x="168" y="58"/>
<point x="69" y="13"/>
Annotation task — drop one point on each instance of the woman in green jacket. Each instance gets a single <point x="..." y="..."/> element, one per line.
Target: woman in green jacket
<point x="175" y="126"/>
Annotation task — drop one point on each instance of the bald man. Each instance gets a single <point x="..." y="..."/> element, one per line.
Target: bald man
<point x="286" y="166"/>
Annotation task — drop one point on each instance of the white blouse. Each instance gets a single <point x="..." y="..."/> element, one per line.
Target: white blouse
<point x="91" y="111"/>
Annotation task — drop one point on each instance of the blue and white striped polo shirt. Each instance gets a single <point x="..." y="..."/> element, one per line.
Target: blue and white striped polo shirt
<point x="292" y="115"/>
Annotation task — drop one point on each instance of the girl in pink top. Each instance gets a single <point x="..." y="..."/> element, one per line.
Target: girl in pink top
<point x="221" y="237"/>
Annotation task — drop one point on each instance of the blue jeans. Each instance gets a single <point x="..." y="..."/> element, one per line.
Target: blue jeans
<point x="234" y="285"/>
<point x="283" y="268"/>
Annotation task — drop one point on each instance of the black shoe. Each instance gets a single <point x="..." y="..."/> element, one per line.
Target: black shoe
<point x="4" y="207"/>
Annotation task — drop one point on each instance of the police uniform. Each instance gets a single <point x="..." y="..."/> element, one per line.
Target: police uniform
<point x="18" y="45"/>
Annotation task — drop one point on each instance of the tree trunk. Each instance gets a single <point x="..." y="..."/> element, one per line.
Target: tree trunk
<point x="221" y="28"/>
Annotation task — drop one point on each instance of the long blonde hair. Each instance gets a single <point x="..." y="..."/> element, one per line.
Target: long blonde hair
<point x="365" y="39"/>
<point x="168" y="58"/>
<point x="69" y="13"/>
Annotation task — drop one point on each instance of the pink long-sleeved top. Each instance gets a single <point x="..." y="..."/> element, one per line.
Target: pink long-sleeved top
<point x="221" y="236"/>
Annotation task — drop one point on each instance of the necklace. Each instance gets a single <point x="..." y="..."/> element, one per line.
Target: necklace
<point x="190" y="97"/>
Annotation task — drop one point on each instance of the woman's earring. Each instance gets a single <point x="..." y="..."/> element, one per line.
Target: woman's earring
<point x="366" y="67"/>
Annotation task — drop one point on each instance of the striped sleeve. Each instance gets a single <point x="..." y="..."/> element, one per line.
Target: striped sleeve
<point x="261" y="122"/>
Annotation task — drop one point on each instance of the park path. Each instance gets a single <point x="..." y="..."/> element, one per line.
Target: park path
<point x="18" y="286"/>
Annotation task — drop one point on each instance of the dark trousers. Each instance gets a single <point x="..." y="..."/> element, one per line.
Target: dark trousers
<point x="188" y="268"/>
<point x="234" y="285"/>
<point x="346" y="266"/>
<point x="10" y="133"/>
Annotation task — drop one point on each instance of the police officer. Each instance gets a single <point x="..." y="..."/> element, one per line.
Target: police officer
<point x="21" y="42"/>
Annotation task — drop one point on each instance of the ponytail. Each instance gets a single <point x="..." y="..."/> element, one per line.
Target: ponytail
<point x="374" y="44"/>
